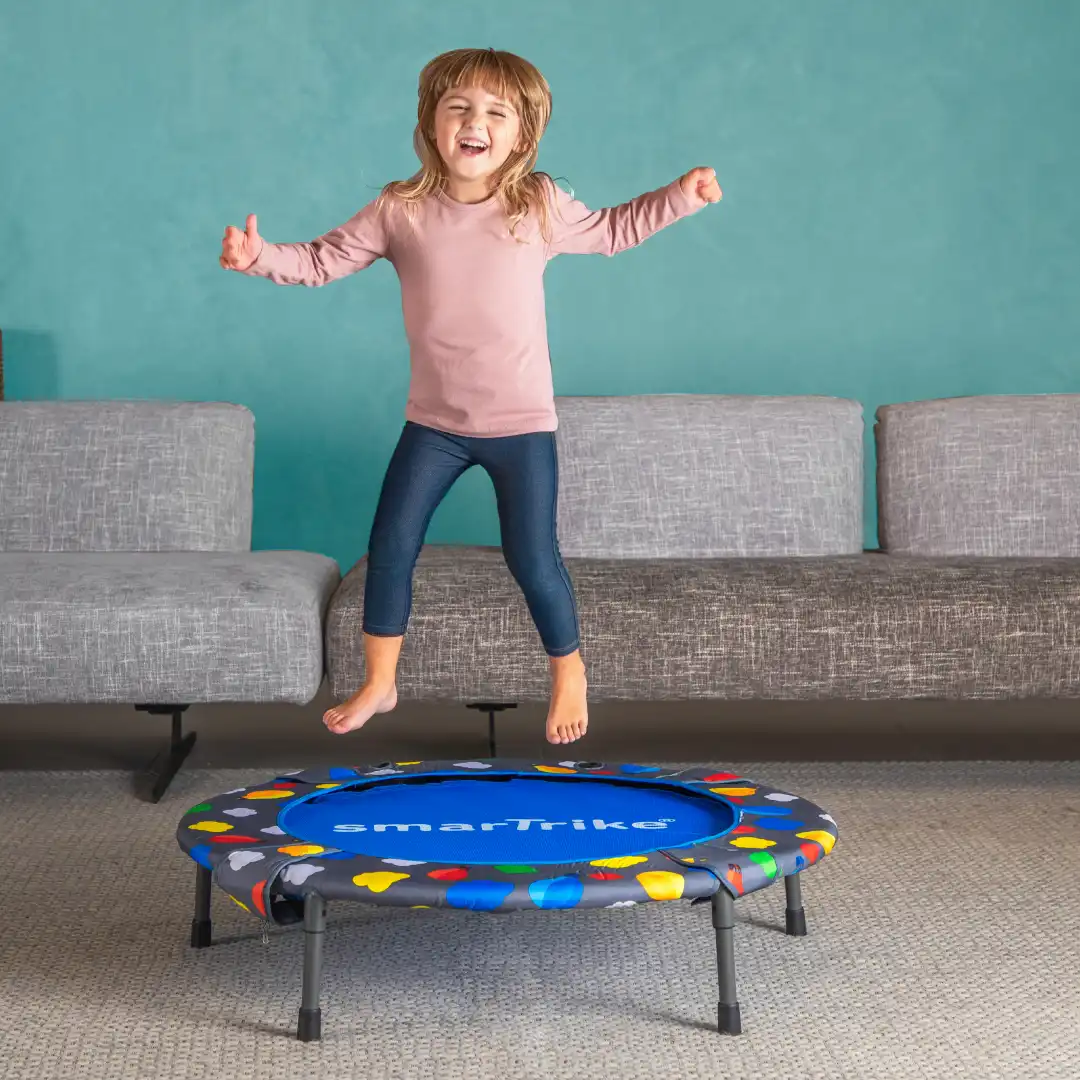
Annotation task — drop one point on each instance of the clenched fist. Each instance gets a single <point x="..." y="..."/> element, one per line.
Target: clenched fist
<point x="240" y="249"/>
<point x="700" y="184"/>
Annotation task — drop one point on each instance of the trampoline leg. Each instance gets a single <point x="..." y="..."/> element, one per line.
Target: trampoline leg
<point x="309" y="1025"/>
<point x="200" y="926"/>
<point x="728" y="1018"/>
<point x="795" y="914"/>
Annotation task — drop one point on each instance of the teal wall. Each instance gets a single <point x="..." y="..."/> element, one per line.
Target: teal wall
<point x="901" y="215"/>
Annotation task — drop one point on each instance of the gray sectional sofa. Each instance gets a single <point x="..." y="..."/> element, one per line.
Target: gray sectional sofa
<point x="126" y="569"/>
<point x="715" y="544"/>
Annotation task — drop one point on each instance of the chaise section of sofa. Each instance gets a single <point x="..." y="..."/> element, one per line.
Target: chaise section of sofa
<point x="126" y="573"/>
<point x="715" y="547"/>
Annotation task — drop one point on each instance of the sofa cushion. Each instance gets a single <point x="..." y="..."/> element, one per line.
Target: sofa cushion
<point x="995" y="476"/>
<point x="709" y="475"/>
<point x="163" y="628"/>
<point x="865" y="626"/>
<point x="125" y="476"/>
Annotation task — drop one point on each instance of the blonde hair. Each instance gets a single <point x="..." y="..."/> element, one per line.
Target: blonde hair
<point x="521" y="191"/>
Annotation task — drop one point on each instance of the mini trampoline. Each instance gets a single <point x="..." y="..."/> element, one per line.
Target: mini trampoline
<point x="497" y="836"/>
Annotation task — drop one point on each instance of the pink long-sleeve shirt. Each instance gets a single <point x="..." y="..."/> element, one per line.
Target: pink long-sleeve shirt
<point x="473" y="296"/>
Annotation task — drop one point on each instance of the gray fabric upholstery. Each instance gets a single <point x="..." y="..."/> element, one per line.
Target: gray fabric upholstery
<point x="865" y="626"/>
<point x="995" y="476"/>
<point x="125" y="476"/>
<point x="708" y="475"/>
<point x="163" y="628"/>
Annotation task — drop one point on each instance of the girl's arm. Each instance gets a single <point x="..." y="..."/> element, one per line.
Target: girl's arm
<point x="338" y="253"/>
<point x="578" y="230"/>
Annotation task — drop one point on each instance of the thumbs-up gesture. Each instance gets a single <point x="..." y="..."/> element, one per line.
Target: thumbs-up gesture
<point x="240" y="249"/>
<point x="700" y="184"/>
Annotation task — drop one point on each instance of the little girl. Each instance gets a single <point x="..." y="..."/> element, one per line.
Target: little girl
<point x="469" y="236"/>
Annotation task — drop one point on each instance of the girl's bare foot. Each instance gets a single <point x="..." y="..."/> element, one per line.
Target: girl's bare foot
<point x="360" y="708"/>
<point x="568" y="715"/>
<point x="379" y="692"/>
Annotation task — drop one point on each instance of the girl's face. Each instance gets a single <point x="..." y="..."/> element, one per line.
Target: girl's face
<point x="475" y="132"/>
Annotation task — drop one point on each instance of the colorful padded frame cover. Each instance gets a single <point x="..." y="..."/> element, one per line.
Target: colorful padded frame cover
<point x="500" y="835"/>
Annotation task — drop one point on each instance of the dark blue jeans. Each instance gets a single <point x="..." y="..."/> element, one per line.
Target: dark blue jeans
<point x="423" y="468"/>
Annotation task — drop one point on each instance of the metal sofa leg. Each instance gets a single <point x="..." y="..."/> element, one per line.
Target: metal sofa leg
<point x="154" y="780"/>
<point x="491" y="708"/>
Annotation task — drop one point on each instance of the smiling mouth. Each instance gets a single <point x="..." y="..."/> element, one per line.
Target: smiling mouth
<point x="472" y="147"/>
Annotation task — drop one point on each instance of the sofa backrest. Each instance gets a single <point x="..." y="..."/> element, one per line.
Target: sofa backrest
<point x="995" y="476"/>
<point x="125" y="476"/>
<point x="704" y="475"/>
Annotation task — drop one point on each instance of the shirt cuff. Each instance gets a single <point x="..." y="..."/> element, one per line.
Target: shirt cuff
<point x="681" y="203"/>
<point x="260" y="266"/>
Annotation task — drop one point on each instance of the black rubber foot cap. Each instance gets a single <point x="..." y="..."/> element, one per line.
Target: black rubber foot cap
<point x="309" y="1029"/>
<point x="728" y="1020"/>
<point x="201" y="934"/>
<point x="796" y="923"/>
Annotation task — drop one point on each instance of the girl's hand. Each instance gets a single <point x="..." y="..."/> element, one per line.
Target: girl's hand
<point x="700" y="184"/>
<point x="240" y="249"/>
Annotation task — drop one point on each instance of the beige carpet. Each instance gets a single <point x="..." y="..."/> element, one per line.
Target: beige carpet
<point x="944" y="942"/>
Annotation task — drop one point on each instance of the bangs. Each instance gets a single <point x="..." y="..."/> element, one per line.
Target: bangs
<point x="493" y="72"/>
